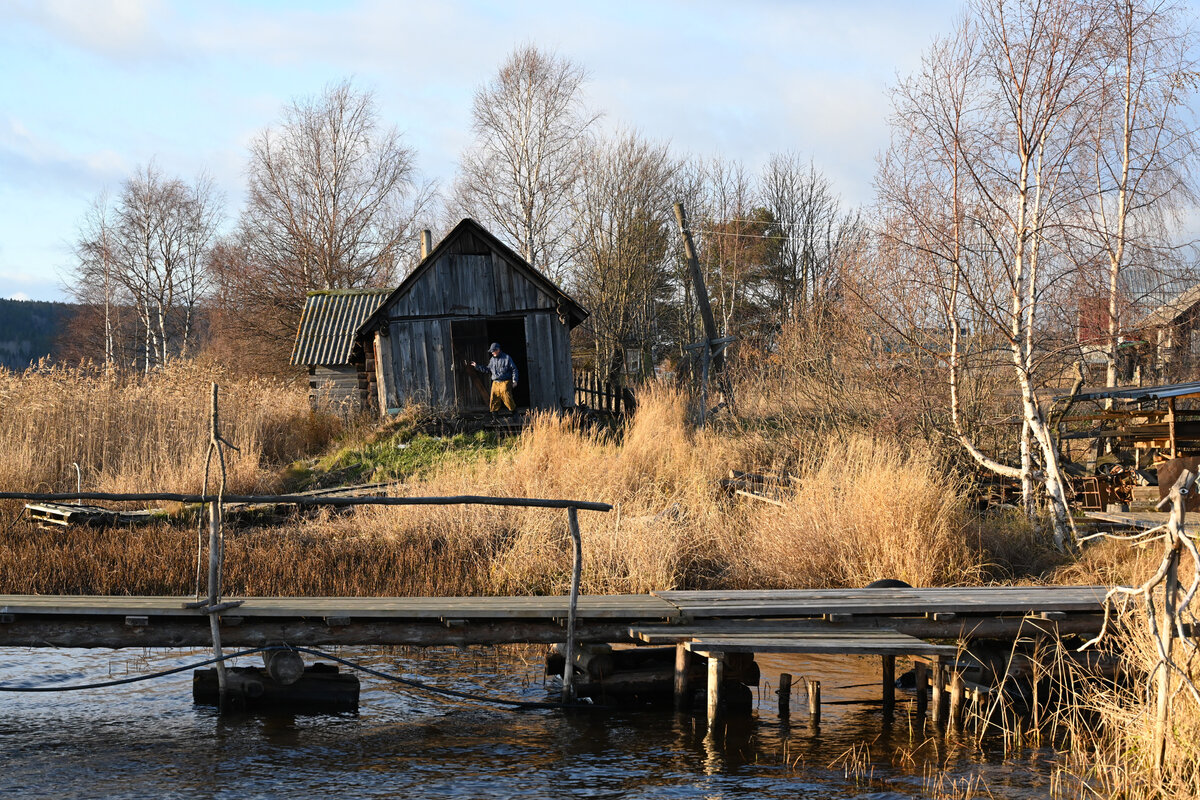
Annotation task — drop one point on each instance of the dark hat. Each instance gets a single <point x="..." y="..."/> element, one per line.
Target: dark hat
<point x="493" y="347"/>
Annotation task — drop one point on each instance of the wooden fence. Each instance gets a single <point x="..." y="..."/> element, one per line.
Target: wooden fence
<point x="610" y="397"/>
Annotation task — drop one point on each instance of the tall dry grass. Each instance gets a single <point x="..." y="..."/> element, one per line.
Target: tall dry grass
<point x="866" y="509"/>
<point x="869" y="507"/>
<point x="1111" y="725"/>
<point x="148" y="433"/>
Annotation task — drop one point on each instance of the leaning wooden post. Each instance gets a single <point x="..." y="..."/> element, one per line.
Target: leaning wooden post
<point x="888" y="680"/>
<point x="568" y="685"/>
<point x="716" y="676"/>
<point x="216" y="548"/>
<point x="706" y="314"/>
<point x="683" y="663"/>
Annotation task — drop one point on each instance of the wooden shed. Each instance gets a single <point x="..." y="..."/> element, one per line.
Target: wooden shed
<point x="467" y="292"/>
<point x="338" y="368"/>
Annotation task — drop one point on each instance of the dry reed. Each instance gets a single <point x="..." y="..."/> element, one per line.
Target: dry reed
<point x="148" y="433"/>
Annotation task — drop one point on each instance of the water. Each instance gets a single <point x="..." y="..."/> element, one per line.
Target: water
<point x="148" y="740"/>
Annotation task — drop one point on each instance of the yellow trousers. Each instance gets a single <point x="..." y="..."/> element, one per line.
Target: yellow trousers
<point x="502" y="396"/>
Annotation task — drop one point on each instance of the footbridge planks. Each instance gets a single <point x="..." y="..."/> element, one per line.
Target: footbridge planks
<point x="982" y="600"/>
<point x="772" y="616"/>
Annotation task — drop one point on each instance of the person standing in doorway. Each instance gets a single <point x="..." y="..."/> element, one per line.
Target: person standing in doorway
<point x="504" y="378"/>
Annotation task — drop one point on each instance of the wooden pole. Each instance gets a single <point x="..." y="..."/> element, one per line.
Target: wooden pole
<point x="1171" y="426"/>
<point x="1174" y="544"/>
<point x="216" y="550"/>
<point x="814" y="702"/>
<point x="956" y="698"/>
<point x="921" y="675"/>
<point x="889" y="686"/>
<point x="716" y="676"/>
<point x="683" y="663"/>
<point x="568" y="687"/>
<point x="785" y="696"/>
<point x="689" y="250"/>
<point x="939" y="698"/>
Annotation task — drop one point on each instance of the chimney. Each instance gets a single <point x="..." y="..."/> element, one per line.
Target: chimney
<point x="426" y="243"/>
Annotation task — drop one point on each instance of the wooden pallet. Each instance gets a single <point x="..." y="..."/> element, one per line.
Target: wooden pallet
<point x="55" y="516"/>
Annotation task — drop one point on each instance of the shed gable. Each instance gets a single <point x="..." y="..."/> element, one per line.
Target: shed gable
<point x="462" y="284"/>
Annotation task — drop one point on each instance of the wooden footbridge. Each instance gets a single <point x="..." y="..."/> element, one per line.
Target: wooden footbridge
<point x="714" y="625"/>
<point x="886" y="622"/>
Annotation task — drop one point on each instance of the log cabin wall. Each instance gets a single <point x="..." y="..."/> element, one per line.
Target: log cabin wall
<point x="335" y="387"/>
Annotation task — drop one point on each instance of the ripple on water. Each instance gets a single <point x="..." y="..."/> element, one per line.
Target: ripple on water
<point x="148" y="740"/>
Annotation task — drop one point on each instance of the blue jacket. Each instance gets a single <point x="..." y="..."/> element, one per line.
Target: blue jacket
<point x="501" y="368"/>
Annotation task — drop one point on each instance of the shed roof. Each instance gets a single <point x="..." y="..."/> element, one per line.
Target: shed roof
<point x="329" y="321"/>
<point x="575" y="313"/>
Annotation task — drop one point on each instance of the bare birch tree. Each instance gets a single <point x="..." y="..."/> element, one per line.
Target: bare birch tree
<point x="146" y="250"/>
<point x="1144" y="137"/>
<point x="333" y="202"/>
<point x="518" y="177"/>
<point x="987" y="135"/>
<point x="621" y="226"/>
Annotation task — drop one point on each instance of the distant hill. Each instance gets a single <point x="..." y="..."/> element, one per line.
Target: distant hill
<point x="29" y="330"/>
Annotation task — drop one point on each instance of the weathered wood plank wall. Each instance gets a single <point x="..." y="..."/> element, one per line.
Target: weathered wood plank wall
<point x="470" y="279"/>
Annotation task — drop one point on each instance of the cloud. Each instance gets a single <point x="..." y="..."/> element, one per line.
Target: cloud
<point x="18" y="296"/>
<point x="33" y="161"/>
<point x="122" y="30"/>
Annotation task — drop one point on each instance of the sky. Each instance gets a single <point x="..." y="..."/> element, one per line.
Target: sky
<point x="91" y="90"/>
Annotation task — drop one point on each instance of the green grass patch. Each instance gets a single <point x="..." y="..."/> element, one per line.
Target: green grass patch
<point x="399" y="454"/>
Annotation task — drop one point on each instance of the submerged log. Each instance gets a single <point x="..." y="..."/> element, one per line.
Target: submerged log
<point x="321" y="688"/>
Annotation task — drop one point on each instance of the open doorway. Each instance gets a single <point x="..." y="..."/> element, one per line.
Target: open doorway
<point x="469" y="340"/>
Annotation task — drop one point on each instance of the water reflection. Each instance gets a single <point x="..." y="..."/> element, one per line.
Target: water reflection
<point x="147" y="740"/>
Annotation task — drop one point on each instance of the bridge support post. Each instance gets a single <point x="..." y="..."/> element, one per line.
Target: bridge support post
<point x="716" y="676"/>
<point x="814" y="703"/>
<point x="939" y="697"/>
<point x="683" y="663"/>
<point x="921" y="675"/>
<point x="785" y="697"/>
<point x="957" y="689"/>
<point x="888" y="680"/>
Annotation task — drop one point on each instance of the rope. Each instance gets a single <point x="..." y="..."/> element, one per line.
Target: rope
<point x="424" y="687"/>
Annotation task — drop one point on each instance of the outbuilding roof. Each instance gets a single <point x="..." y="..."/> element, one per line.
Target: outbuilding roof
<point x="329" y="321"/>
<point x="572" y="311"/>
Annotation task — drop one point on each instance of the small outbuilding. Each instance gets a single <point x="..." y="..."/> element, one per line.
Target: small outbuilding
<point x="467" y="292"/>
<point x="339" y="371"/>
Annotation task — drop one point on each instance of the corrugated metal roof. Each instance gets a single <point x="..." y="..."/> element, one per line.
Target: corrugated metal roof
<point x="329" y="322"/>
<point x="1135" y="394"/>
